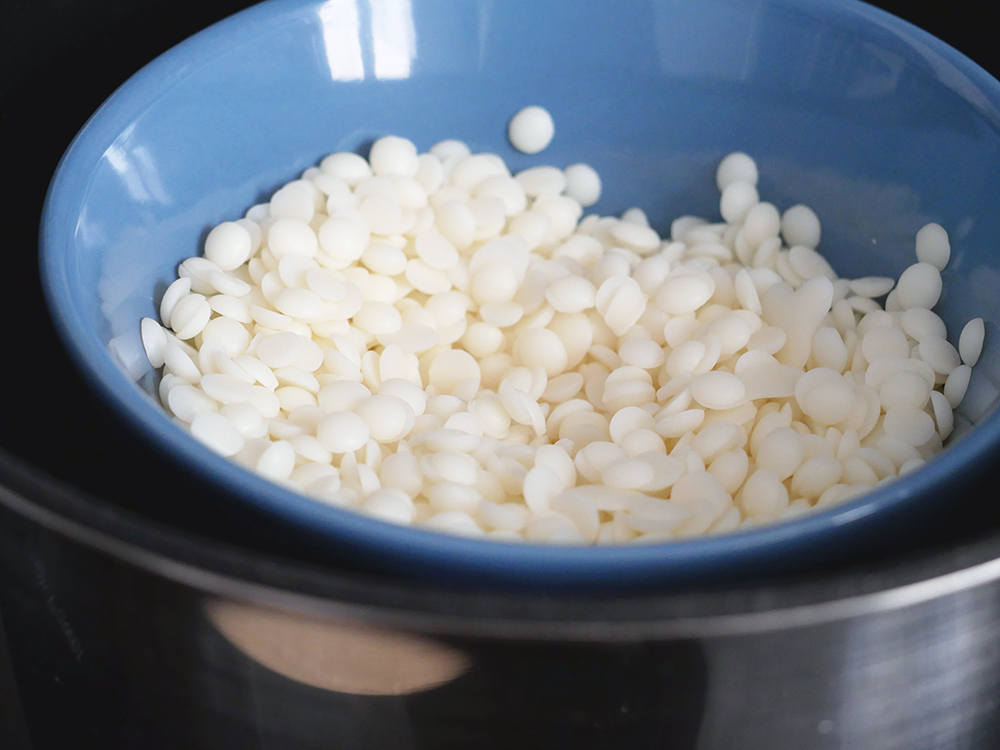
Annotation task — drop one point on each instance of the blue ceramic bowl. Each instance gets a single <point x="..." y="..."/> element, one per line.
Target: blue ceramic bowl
<point x="874" y="123"/>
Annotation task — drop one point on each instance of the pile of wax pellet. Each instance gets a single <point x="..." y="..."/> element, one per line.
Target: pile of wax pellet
<point x="430" y="340"/>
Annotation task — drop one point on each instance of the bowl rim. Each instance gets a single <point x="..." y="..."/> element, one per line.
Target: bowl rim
<point x="523" y="563"/>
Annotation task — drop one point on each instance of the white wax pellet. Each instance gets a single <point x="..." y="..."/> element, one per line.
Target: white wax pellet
<point x="452" y="368"/>
<point x="231" y="307"/>
<point x="579" y="509"/>
<point x="406" y="390"/>
<point x="746" y="292"/>
<point x="583" y="183"/>
<point x="829" y="349"/>
<point x="198" y="270"/>
<point x="426" y="279"/>
<point x="507" y="517"/>
<point x="226" y="389"/>
<point x="521" y="407"/>
<point x="620" y="302"/>
<point x="190" y="316"/>
<point x="531" y="130"/>
<point x="493" y="282"/>
<point x="762" y="222"/>
<point x="343" y="239"/>
<point x="154" y="341"/>
<point x="764" y="496"/>
<point x="377" y="318"/>
<point x="302" y="304"/>
<point x="970" y="342"/>
<point x="265" y="402"/>
<point x="716" y="438"/>
<point x="187" y="401"/>
<point x="390" y="504"/>
<point x="389" y="418"/>
<point x="883" y="340"/>
<point x="393" y="156"/>
<point x="447" y="496"/>
<point x="915" y="426"/>
<point x="342" y="431"/>
<point x="541" y="486"/>
<point x="933" y="246"/>
<point x="957" y="384"/>
<point x="815" y="476"/>
<point x="919" y="286"/>
<point x="533" y="226"/>
<point x="571" y="294"/>
<point x="825" y="395"/>
<point x="246" y="419"/>
<point x="939" y="354"/>
<point x="563" y="213"/>
<point x="401" y="470"/>
<point x="382" y="213"/>
<point x="733" y="332"/>
<point x="225" y="283"/>
<point x="280" y="349"/>
<point x="872" y="286"/>
<point x="277" y="461"/>
<point x="507" y="190"/>
<point x="451" y="466"/>
<point x="800" y="226"/>
<point x="295" y="200"/>
<point x="384" y="258"/>
<point x="256" y="369"/>
<point x="228" y="245"/>
<point x="920" y="322"/>
<point x="540" y="347"/>
<point x="628" y="419"/>
<point x="680" y="294"/>
<point x="627" y="474"/>
<point x="737" y="200"/>
<point x="808" y="264"/>
<point x="718" y="390"/>
<point x="652" y="515"/>
<point x="638" y="237"/>
<point x="736" y="167"/>
<point x="781" y="452"/>
<point x="436" y="251"/>
<point x="449" y="149"/>
<point x="678" y="424"/>
<point x="291" y="236"/>
<point x="904" y="388"/>
<point x="178" y="290"/>
<point x="346" y="166"/>
<point x="944" y="416"/>
<point x="217" y="432"/>
<point x="501" y="314"/>
<point x="642" y="353"/>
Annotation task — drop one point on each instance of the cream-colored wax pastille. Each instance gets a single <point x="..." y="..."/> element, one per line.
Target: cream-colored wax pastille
<point x="531" y="130"/>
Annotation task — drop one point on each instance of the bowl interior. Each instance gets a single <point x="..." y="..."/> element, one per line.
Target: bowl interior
<point x="873" y="123"/>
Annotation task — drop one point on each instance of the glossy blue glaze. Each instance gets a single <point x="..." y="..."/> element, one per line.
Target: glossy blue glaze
<point x="875" y="124"/>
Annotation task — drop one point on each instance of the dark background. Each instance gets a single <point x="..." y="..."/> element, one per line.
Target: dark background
<point x="59" y="59"/>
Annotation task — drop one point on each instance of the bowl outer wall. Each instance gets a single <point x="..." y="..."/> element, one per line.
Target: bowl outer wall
<point x="181" y="147"/>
